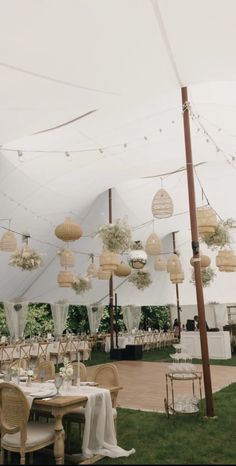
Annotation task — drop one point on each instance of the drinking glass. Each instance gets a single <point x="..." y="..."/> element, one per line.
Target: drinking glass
<point x="58" y="383"/>
<point x="42" y="375"/>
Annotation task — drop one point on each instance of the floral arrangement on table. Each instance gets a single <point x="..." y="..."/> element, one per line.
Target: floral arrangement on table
<point x="221" y="236"/>
<point x="208" y="275"/>
<point x="81" y="284"/>
<point x="141" y="279"/>
<point x="26" y="258"/>
<point x="66" y="371"/>
<point x="30" y="375"/>
<point x="116" y="237"/>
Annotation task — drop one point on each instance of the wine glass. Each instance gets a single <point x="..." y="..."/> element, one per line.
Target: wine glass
<point x="58" y="383"/>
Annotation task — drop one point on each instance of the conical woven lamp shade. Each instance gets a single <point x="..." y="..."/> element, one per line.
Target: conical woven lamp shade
<point x="226" y="260"/>
<point x="177" y="277"/>
<point x="103" y="274"/>
<point x="68" y="230"/>
<point x="67" y="258"/>
<point x="174" y="264"/>
<point x="160" y="264"/>
<point x="92" y="271"/>
<point x="109" y="261"/>
<point x="206" y="220"/>
<point x="153" y="245"/>
<point x="123" y="270"/>
<point x="8" y="242"/>
<point x="65" y="279"/>
<point x="162" y="205"/>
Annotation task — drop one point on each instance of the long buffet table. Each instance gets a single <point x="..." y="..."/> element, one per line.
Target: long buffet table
<point x="218" y="344"/>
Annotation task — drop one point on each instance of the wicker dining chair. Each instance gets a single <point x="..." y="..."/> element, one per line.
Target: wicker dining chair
<point x="17" y="433"/>
<point x="45" y="371"/>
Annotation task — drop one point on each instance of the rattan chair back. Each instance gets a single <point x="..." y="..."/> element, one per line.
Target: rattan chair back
<point x="107" y="375"/>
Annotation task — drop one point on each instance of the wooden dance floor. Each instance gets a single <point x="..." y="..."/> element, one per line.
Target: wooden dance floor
<point x="144" y="383"/>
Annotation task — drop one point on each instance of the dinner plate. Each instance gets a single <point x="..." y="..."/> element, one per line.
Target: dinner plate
<point x="89" y="384"/>
<point x="42" y="394"/>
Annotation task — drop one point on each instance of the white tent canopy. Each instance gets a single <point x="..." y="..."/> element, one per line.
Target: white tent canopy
<point x="119" y="66"/>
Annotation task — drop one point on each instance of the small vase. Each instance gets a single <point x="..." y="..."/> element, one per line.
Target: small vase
<point x="29" y="381"/>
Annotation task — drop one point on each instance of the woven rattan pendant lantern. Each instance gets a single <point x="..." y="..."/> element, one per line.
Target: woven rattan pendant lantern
<point x="67" y="258"/>
<point x="103" y="274"/>
<point x="65" y="279"/>
<point x="226" y="260"/>
<point x="173" y="264"/>
<point x="153" y="245"/>
<point x="92" y="271"/>
<point x="8" y="242"/>
<point x="109" y="261"/>
<point x="177" y="277"/>
<point x="162" y="204"/>
<point x="206" y="220"/>
<point x="68" y="230"/>
<point x="160" y="264"/>
<point x="123" y="270"/>
<point x="204" y="261"/>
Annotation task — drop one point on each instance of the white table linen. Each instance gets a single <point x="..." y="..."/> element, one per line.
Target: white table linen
<point x="99" y="432"/>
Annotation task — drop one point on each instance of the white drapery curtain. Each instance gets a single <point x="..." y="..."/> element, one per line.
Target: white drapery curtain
<point x="16" y="316"/>
<point x="132" y="316"/>
<point x="94" y="316"/>
<point x="59" y="315"/>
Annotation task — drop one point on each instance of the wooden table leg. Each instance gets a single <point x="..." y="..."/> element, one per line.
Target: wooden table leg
<point x="59" y="445"/>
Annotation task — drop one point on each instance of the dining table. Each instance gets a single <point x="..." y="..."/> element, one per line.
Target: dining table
<point x="97" y="402"/>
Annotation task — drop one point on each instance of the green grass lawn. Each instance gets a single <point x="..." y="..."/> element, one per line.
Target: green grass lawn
<point x="181" y="439"/>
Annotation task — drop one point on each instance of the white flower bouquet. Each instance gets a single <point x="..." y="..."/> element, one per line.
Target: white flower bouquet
<point x="25" y="258"/>
<point x="116" y="237"/>
<point x="66" y="371"/>
<point x="81" y="284"/>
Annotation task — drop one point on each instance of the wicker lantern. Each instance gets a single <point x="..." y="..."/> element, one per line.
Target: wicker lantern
<point x="68" y="230"/>
<point x="67" y="258"/>
<point x="8" y="242"/>
<point x="226" y="260"/>
<point x="123" y="270"/>
<point x="174" y="264"/>
<point x="162" y="204"/>
<point x="65" y="279"/>
<point x="206" y="221"/>
<point x="204" y="261"/>
<point x="160" y="264"/>
<point x="92" y="270"/>
<point x="109" y="261"/>
<point x="153" y="245"/>
<point x="103" y="274"/>
<point x="177" y="277"/>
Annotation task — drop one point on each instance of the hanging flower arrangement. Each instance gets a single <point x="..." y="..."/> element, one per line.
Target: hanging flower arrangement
<point x="220" y="237"/>
<point x="81" y="284"/>
<point x="116" y="237"/>
<point x="208" y="275"/>
<point x="141" y="279"/>
<point x="137" y="257"/>
<point x="26" y="258"/>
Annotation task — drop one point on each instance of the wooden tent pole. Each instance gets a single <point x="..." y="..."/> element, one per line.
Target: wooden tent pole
<point x="111" y="310"/>
<point x="196" y="257"/>
<point x="177" y="287"/>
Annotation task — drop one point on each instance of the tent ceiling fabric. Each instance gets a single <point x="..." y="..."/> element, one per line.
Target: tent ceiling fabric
<point x="126" y="60"/>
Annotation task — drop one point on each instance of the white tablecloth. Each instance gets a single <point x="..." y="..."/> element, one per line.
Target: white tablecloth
<point x="122" y="342"/>
<point x="99" y="431"/>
